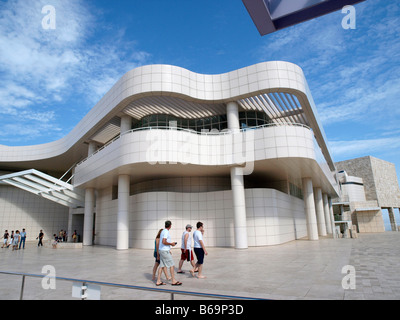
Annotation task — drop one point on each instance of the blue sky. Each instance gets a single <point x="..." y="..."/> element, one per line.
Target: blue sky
<point x="50" y="79"/>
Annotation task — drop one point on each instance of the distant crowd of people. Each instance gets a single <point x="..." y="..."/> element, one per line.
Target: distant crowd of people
<point x="17" y="239"/>
<point x="163" y="255"/>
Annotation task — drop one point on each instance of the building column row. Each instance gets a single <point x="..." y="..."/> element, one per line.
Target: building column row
<point x="238" y="194"/>
<point x="122" y="241"/>
<point x="318" y="209"/>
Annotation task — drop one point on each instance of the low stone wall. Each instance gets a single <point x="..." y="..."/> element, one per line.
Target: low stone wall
<point x="64" y="245"/>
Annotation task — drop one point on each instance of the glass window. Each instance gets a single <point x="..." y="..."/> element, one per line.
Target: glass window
<point x="223" y="118"/>
<point x="246" y="119"/>
<point x="252" y="122"/>
<point x="260" y="122"/>
<point x="199" y="124"/>
<point x="183" y="123"/>
<point x="251" y="115"/>
<point x="214" y="119"/>
<point x="192" y="124"/>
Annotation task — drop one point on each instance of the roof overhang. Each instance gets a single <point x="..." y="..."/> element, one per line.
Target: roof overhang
<point x="272" y="15"/>
<point x="277" y="88"/>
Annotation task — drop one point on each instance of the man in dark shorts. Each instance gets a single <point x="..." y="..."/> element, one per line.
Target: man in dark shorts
<point x="40" y="237"/>
<point x="199" y="249"/>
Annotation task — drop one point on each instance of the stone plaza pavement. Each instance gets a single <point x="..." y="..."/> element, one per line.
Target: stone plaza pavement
<point x="297" y="270"/>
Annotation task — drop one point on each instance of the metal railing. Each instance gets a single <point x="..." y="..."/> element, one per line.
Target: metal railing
<point x="126" y="286"/>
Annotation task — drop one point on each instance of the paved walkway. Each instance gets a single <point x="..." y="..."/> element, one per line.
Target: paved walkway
<point x="297" y="270"/>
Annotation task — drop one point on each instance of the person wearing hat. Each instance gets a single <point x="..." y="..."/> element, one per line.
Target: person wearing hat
<point x="186" y="248"/>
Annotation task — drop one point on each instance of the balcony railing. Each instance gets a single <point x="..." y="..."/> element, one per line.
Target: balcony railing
<point x="206" y="132"/>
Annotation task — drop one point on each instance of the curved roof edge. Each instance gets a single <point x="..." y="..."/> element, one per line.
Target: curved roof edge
<point x="175" y="81"/>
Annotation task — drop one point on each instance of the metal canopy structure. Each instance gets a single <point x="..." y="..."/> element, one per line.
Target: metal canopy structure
<point x="272" y="15"/>
<point x="174" y="106"/>
<point x="280" y="107"/>
<point x="45" y="186"/>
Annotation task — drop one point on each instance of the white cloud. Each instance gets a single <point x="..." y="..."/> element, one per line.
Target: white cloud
<point x="357" y="148"/>
<point x="41" y="68"/>
<point x="353" y="74"/>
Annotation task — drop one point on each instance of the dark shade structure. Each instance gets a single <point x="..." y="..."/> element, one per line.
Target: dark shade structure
<point x="272" y="15"/>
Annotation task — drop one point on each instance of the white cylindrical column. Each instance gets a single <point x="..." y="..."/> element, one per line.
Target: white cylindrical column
<point x="332" y="217"/>
<point x="239" y="208"/>
<point x="319" y="209"/>
<point x="123" y="212"/>
<point x="126" y="124"/>
<point x="308" y="194"/>
<point x="237" y="182"/>
<point x="327" y="213"/>
<point x="92" y="147"/>
<point x="232" y="115"/>
<point x="69" y="230"/>
<point x="88" y="218"/>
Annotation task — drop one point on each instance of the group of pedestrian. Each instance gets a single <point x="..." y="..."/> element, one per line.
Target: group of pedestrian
<point x="16" y="239"/>
<point x="163" y="254"/>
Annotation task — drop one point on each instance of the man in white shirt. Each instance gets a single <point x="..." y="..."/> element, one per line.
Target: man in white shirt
<point x="166" y="260"/>
<point x="23" y="238"/>
<point x="199" y="249"/>
<point x="186" y="248"/>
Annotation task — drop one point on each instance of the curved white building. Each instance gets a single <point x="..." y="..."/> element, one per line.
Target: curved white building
<point x="243" y="152"/>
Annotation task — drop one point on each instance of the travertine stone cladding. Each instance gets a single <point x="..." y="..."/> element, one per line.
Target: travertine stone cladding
<point x="379" y="176"/>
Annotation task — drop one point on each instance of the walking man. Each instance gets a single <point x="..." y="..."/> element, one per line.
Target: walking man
<point x="166" y="260"/>
<point x="199" y="249"/>
<point x="23" y="238"/>
<point x="40" y="237"/>
<point x="186" y="249"/>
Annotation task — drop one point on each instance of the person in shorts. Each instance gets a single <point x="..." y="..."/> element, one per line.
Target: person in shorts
<point x="166" y="260"/>
<point x="156" y="255"/>
<point x="186" y="248"/>
<point x="5" y="237"/>
<point x="199" y="249"/>
<point x="15" y="240"/>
